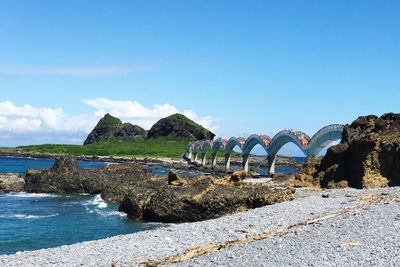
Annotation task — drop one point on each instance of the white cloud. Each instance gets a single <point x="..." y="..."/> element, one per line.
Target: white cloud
<point x="52" y="125"/>
<point x="136" y="113"/>
<point x="75" y="71"/>
<point x="30" y="119"/>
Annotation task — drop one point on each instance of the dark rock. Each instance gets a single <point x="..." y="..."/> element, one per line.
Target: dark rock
<point x="238" y="176"/>
<point x="202" y="198"/>
<point x="367" y="157"/>
<point x="151" y="198"/>
<point x="113" y="181"/>
<point x="111" y="127"/>
<point x="129" y="131"/>
<point x="178" y="126"/>
<point x="174" y="179"/>
<point x="325" y="195"/>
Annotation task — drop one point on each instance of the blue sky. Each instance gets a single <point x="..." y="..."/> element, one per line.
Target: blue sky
<point x="240" y="67"/>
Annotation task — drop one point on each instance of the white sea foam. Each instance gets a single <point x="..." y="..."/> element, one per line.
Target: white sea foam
<point x="27" y="216"/>
<point x="31" y="195"/>
<point x="96" y="201"/>
<point x="110" y="213"/>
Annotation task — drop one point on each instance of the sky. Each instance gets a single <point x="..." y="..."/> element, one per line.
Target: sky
<point x="237" y="67"/>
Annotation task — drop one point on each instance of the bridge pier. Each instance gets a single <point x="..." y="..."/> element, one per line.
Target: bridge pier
<point x="246" y="162"/>
<point x="271" y="164"/>
<point x="227" y="162"/>
<point x="203" y="159"/>
<point x="195" y="157"/>
<point x="189" y="156"/>
<point x="213" y="160"/>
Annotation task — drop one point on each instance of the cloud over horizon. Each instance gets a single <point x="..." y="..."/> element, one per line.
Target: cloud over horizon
<point x="22" y="70"/>
<point x="53" y="125"/>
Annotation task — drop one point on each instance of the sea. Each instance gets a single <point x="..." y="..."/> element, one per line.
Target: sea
<point x="36" y="221"/>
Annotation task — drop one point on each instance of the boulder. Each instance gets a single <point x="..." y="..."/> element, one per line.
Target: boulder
<point x="11" y="182"/>
<point x="202" y="198"/>
<point x="174" y="179"/>
<point x="179" y="126"/>
<point x="238" y="176"/>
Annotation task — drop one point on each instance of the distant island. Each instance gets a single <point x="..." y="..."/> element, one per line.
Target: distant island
<point x="111" y="137"/>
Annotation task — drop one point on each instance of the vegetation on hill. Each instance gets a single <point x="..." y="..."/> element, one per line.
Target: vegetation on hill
<point x="159" y="147"/>
<point x="109" y="120"/>
<point x="181" y="117"/>
<point x="155" y="147"/>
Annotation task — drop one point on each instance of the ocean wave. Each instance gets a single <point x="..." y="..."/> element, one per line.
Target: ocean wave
<point x="30" y="195"/>
<point x="111" y="213"/>
<point x="27" y="216"/>
<point x="96" y="201"/>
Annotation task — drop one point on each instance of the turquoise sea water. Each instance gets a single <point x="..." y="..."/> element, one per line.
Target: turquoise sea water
<point x="35" y="221"/>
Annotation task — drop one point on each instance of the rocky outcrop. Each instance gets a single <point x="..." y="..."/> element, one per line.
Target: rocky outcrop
<point x="202" y="198"/>
<point x="305" y="176"/>
<point x="179" y="126"/>
<point x="112" y="181"/>
<point x="367" y="157"/>
<point x="11" y="182"/>
<point x="129" y="131"/>
<point x="157" y="198"/>
<point x="111" y="127"/>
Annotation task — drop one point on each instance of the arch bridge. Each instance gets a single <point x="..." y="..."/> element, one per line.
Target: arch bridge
<point x="309" y="146"/>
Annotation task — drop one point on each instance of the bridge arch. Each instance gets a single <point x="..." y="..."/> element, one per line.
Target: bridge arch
<point x="218" y="143"/>
<point x="204" y="147"/>
<point x="251" y="142"/>
<point x="298" y="138"/>
<point x="309" y="146"/>
<point x="323" y="137"/>
<point x="230" y="145"/>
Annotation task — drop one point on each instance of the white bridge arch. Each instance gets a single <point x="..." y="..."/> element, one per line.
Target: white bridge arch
<point x="309" y="146"/>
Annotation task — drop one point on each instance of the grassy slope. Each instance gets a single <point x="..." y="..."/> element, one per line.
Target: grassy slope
<point x="109" y="120"/>
<point x="181" y="117"/>
<point x="159" y="147"/>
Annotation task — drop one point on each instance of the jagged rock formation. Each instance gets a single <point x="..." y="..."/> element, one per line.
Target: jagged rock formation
<point x="367" y="157"/>
<point x="113" y="181"/>
<point x="111" y="127"/>
<point x="179" y="126"/>
<point x="152" y="198"/>
<point x="201" y="199"/>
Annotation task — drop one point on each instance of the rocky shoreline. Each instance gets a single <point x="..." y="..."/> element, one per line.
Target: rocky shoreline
<point x="324" y="228"/>
<point x="158" y="198"/>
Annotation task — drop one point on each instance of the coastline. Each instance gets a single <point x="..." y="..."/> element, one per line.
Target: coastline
<point x="310" y="211"/>
<point x="258" y="161"/>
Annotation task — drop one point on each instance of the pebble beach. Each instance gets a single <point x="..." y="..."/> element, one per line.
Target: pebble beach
<point x="345" y="227"/>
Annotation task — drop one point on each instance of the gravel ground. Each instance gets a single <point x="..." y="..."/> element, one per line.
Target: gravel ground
<point x="354" y="236"/>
